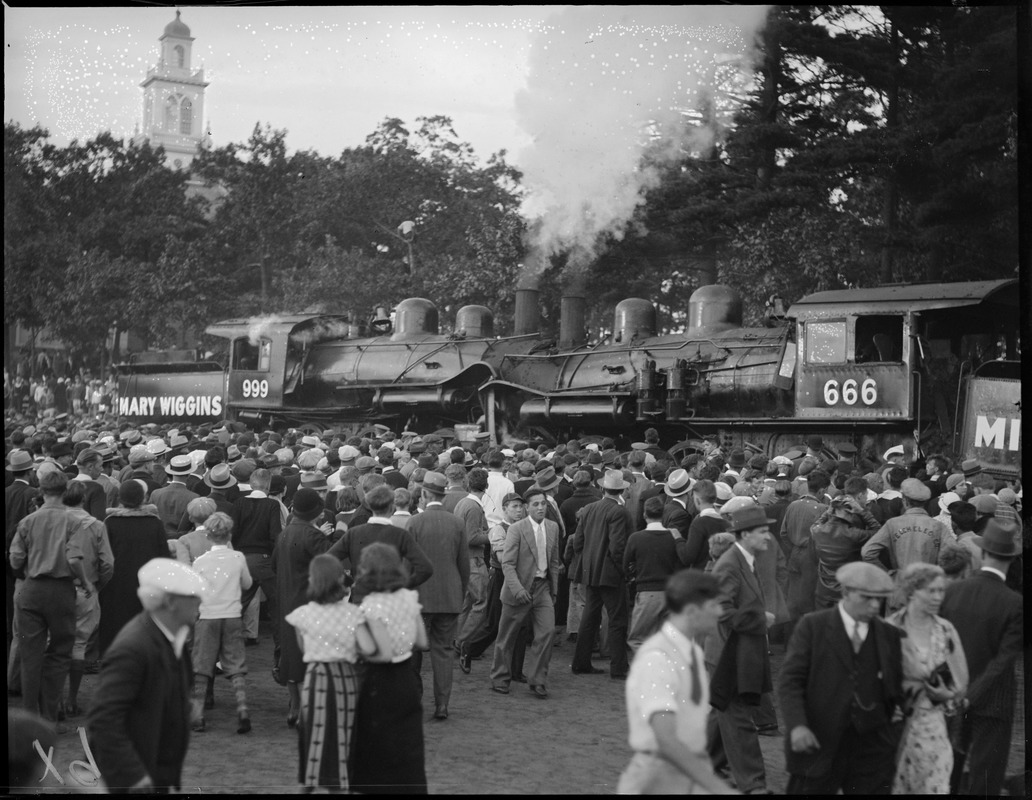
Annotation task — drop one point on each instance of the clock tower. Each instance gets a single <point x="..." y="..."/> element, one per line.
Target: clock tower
<point x="173" y="99"/>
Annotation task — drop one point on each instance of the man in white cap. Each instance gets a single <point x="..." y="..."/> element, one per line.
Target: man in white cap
<point x="139" y="724"/>
<point x="840" y="682"/>
<point x="912" y="536"/>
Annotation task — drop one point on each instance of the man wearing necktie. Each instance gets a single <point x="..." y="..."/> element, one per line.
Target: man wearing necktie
<point x="838" y="688"/>
<point x="739" y="650"/>
<point x="667" y="695"/>
<point x="139" y="724"/>
<point x="530" y="566"/>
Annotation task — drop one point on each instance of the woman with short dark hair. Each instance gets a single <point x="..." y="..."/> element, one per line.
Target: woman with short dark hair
<point x="136" y="534"/>
<point x="326" y="628"/>
<point x="388" y="751"/>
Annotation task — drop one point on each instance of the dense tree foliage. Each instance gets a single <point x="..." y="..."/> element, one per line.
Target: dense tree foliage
<point x="876" y="144"/>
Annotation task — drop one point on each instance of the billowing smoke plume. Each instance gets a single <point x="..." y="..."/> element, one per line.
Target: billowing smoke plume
<point x="606" y="83"/>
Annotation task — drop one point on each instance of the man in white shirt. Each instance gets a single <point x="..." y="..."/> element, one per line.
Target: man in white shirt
<point x="498" y="486"/>
<point x="667" y="696"/>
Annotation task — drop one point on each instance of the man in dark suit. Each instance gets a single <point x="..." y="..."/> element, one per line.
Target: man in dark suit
<point x="601" y="538"/>
<point x="139" y="723"/>
<point x="988" y="619"/>
<point x="348" y="549"/>
<point x="173" y="498"/>
<point x="676" y="513"/>
<point x="838" y="687"/>
<point x="530" y="566"/>
<point x="739" y="651"/>
<point x="584" y="494"/>
<point x="442" y="536"/>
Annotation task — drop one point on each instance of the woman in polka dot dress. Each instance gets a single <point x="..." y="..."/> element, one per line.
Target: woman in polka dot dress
<point x="326" y="633"/>
<point x="388" y="754"/>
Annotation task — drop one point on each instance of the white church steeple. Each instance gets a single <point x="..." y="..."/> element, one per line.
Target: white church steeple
<point x="173" y="98"/>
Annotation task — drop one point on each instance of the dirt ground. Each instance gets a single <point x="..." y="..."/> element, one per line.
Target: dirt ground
<point x="575" y="742"/>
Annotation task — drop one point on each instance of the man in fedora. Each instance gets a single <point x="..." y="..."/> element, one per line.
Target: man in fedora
<point x="530" y="567"/>
<point x="676" y="512"/>
<point x="219" y="480"/>
<point x="739" y="650"/>
<point x="989" y="620"/>
<point x="442" y="537"/>
<point x="912" y="536"/>
<point x="838" y="687"/>
<point x="601" y="537"/>
<point x="173" y="498"/>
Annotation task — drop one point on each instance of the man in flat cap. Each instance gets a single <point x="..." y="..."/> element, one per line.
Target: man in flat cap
<point x="838" y="687"/>
<point x="139" y="724"/>
<point x="912" y="536"/>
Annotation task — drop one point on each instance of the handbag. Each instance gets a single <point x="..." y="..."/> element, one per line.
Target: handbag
<point x="942" y="675"/>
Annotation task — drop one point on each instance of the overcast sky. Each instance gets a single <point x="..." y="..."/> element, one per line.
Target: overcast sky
<point x="326" y="75"/>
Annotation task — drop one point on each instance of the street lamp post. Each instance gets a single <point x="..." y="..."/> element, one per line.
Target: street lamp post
<point x="407" y="233"/>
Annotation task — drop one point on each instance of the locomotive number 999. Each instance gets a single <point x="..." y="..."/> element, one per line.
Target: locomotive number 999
<point x="255" y="388"/>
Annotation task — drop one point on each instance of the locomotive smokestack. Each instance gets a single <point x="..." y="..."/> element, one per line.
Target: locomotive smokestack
<point x="572" y="316"/>
<point x="527" y="317"/>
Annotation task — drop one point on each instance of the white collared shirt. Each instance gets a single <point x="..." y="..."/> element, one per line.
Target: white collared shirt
<point x="994" y="571"/>
<point x="749" y="557"/>
<point x="661" y="680"/>
<point x="541" y="545"/>
<point x="379" y="521"/>
<point x="851" y="623"/>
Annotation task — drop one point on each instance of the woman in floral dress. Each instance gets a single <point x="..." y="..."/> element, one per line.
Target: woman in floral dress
<point x="935" y="677"/>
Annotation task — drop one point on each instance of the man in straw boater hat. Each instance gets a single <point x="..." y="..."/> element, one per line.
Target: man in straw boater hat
<point x="988" y="619"/>
<point x="173" y="498"/>
<point x="840" y="682"/>
<point x="601" y="537"/>
<point x="139" y="724"/>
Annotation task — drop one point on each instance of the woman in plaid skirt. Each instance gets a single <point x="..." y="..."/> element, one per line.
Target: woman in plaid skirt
<point x="326" y="633"/>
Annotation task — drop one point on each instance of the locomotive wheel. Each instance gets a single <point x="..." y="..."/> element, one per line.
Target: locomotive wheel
<point x="311" y="428"/>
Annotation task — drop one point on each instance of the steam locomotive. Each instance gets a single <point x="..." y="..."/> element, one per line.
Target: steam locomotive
<point x="934" y="364"/>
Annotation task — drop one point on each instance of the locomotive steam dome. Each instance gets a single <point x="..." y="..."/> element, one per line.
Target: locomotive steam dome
<point x="415" y="316"/>
<point x="634" y="318"/>
<point x="714" y="308"/>
<point x="475" y="321"/>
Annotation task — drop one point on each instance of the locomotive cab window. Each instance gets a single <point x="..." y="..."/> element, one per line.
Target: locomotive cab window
<point x="826" y="342"/>
<point x="252" y="357"/>
<point x="879" y="338"/>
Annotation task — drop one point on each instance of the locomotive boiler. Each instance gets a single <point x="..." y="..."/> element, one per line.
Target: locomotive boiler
<point x="873" y="367"/>
<point x="318" y="371"/>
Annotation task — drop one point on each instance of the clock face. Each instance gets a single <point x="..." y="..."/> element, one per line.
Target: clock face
<point x="178" y="162"/>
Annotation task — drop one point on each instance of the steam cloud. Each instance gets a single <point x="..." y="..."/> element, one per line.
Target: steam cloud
<point x="605" y="84"/>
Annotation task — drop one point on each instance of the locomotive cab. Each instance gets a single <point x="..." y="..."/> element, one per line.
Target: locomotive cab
<point x="894" y="356"/>
<point x="266" y="356"/>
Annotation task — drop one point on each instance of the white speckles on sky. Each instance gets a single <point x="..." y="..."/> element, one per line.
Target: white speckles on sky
<point x="326" y="75"/>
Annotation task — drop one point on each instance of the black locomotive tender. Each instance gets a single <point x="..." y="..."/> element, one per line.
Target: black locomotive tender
<point x="938" y="363"/>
